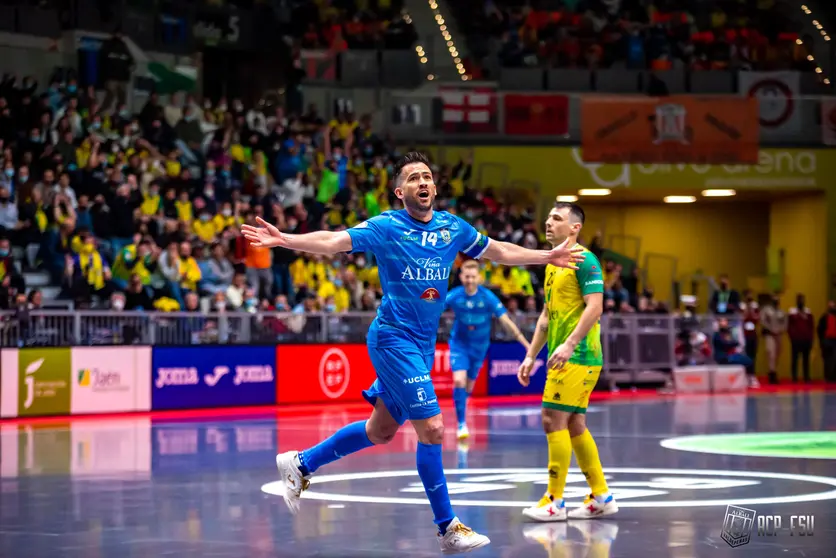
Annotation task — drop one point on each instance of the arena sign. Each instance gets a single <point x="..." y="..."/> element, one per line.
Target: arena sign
<point x="801" y="445"/>
<point x="633" y="487"/>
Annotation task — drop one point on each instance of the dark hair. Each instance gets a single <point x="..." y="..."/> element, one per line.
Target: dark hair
<point x="574" y="210"/>
<point x="408" y="159"/>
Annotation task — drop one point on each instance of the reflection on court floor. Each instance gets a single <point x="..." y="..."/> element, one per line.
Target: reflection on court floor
<point x="206" y="486"/>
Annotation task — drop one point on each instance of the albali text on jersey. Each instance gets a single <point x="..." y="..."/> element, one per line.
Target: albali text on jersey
<point x="414" y="260"/>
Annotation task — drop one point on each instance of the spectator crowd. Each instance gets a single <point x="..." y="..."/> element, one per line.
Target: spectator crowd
<point x="142" y="211"/>
<point x="636" y="34"/>
<point x="357" y="24"/>
<point x="743" y="323"/>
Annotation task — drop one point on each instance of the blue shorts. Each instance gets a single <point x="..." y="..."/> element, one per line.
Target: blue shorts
<point x="466" y="358"/>
<point x="403" y="382"/>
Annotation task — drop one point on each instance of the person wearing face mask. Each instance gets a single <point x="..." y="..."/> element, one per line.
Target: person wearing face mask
<point x="250" y="302"/>
<point x="329" y="305"/>
<point x="8" y="213"/>
<point x="773" y="326"/>
<point x="22" y="182"/>
<point x="204" y="227"/>
<point x="725" y="300"/>
<point x="7" y="179"/>
<point x="827" y="341"/>
<point x="225" y="217"/>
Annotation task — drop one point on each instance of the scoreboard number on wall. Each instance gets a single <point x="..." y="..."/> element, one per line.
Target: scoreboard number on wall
<point x="343" y="106"/>
<point x="406" y="113"/>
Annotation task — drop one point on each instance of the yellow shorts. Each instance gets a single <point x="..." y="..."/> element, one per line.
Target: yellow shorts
<point x="568" y="388"/>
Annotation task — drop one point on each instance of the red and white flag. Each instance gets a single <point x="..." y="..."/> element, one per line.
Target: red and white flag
<point x="470" y="110"/>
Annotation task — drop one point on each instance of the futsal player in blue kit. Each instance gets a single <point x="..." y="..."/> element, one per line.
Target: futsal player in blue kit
<point x="474" y="307"/>
<point x="415" y="249"/>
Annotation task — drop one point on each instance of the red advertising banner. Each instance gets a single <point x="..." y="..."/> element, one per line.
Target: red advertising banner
<point x="322" y="373"/>
<point x="325" y="373"/>
<point x="536" y="115"/>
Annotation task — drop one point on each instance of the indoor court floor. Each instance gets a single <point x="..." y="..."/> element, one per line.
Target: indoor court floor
<point x="205" y="485"/>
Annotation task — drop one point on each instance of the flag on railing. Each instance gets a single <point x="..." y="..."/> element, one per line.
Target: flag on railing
<point x="466" y="111"/>
<point x="536" y="115"/>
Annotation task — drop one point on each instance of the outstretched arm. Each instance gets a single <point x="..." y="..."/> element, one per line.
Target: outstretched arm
<point x="510" y="254"/>
<point x="319" y="242"/>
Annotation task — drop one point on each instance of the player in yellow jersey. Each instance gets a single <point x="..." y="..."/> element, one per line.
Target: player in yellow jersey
<point x="570" y="324"/>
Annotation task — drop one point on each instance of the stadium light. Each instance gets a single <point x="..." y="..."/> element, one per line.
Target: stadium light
<point x="817" y="24"/>
<point x="567" y="198"/>
<point x="454" y="53"/>
<point x="680" y="199"/>
<point x="594" y="192"/>
<point x="718" y="193"/>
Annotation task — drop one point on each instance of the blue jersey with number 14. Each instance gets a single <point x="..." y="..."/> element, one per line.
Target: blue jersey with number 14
<point x="414" y="260"/>
<point x="474" y="316"/>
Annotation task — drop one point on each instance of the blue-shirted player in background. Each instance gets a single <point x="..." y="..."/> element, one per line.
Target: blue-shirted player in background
<point x="415" y="249"/>
<point x="474" y="307"/>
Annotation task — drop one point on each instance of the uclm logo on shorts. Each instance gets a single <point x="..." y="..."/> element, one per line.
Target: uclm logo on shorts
<point x="431" y="295"/>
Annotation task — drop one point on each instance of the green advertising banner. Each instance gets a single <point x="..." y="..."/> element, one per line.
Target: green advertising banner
<point x="44" y="382"/>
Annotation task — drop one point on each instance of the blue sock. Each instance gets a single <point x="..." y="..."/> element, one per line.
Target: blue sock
<point x="344" y="441"/>
<point x="460" y="399"/>
<point x="431" y="471"/>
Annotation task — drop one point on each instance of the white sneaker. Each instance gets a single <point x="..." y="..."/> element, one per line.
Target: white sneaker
<point x="463" y="432"/>
<point x="292" y="478"/>
<point x="754" y="383"/>
<point x="594" y="507"/>
<point x="460" y="539"/>
<point x="546" y="510"/>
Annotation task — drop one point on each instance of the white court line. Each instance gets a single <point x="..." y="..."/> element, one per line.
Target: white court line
<point x="277" y="488"/>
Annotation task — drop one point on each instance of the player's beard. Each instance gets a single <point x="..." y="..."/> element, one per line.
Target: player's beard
<point x="418" y="207"/>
